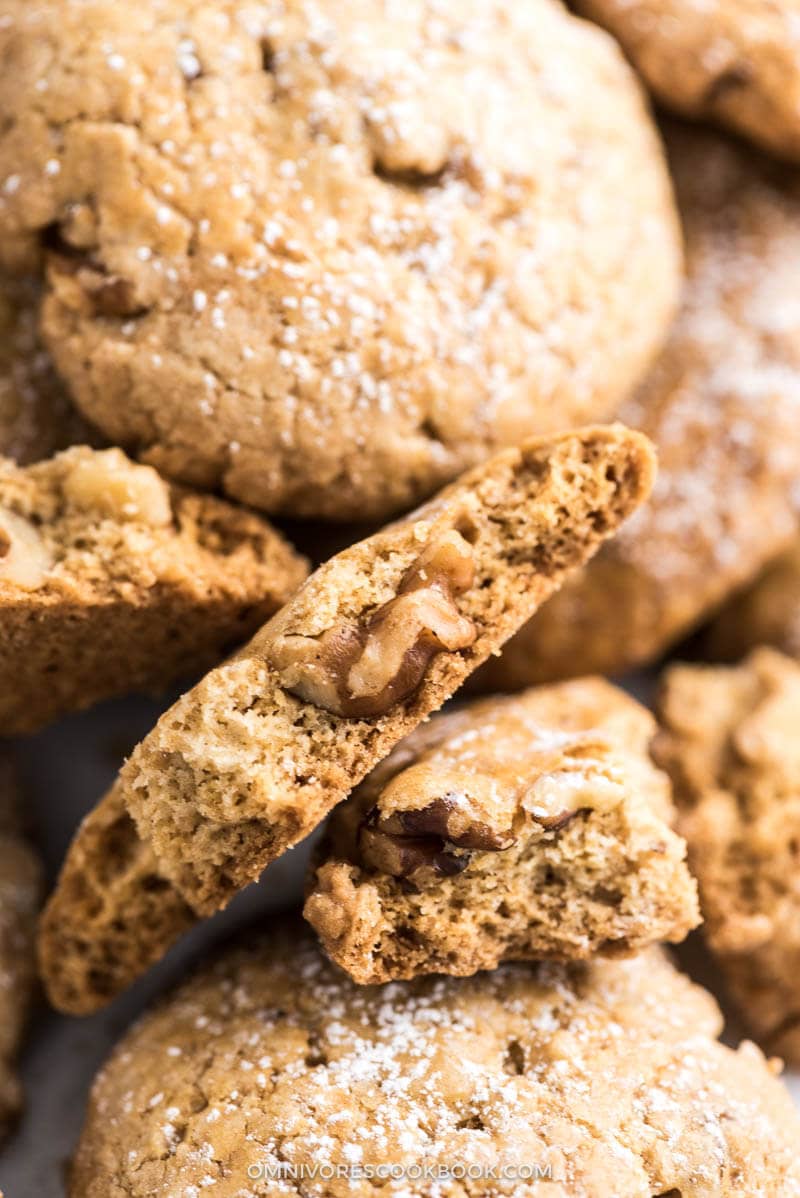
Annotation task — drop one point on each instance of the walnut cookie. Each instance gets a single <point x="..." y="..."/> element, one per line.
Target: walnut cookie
<point x="736" y="62"/>
<point x="253" y="758"/>
<point x="730" y="743"/>
<point x="722" y="405"/>
<point x="20" y="893"/>
<point x="323" y="256"/>
<point x="766" y="613"/>
<point x="271" y="1073"/>
<point x="112" y="581"/>
<point x="523" y="828"/>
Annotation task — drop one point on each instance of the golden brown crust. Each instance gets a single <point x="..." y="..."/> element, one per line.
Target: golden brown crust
<point x="20" y="893"/>
<point x="110" y="916"/>
<point x="243" y="766"/>
<point x="731" y="61"/>
<point x="110" y="581"/>
<point x="608" y="1072"/>
<point x="325" y="256"/>
<point x="519" y="828"/>
<point x="730" y="743"/>
<point x="722" y="405"/>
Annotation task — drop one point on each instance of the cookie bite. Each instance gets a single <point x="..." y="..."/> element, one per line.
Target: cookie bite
<point x="523" y="828"/>
<point x="271" y="1072"/>
<point x="730" y="742"/>
<point x="734" y="62"/>
<point x="20" y="894"/>
<point x="256" y="755"/>
<point x="766" y="613"/>
<point x="722" y="405"/>
<point x="112" y="581"/>
<point x="323" y="257"/>
<point x="37" y="418"/>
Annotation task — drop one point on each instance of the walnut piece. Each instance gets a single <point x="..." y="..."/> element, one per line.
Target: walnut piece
<point x="361" y="671"/>
<point x="25" y="560"/>
<point x="424" y="845"/>
<point x="109" y="483"/>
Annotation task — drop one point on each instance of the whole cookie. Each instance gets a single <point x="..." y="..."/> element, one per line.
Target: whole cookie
<point x="730" y="743"/>
<point x="516" y="828"/>
<point x="36" y="416"/>
<point x="323" y="256"/>
<point x="112" y="581"/>
<point x="722" y="404"/>
<point x="736" y="62"/>
<point x="20" y="892"/>
<point x="271" y="1073"/>
<point x="766" y="613"/>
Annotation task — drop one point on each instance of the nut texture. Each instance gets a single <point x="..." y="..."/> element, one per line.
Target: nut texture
<point x="109" y="483"/>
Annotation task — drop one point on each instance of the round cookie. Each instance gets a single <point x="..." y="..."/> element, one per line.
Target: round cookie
<point x="36" y="416"/>
<point x="20" y="892"/>
<point x="736" y="62"/>
<point x="324" y="257"/>
<point x="722" y="404"/>
<point x="271" y="1073"/>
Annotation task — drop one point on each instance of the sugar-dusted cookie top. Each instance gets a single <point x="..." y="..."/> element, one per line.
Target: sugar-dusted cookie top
<point x="730" y="742"/>
<point x="112" y="581"/>
<point x="272" y="1073"/>
<point x="20" y="893"/>
<point x="516" y="828"/>
<point x="722" y="404"/>
<point x="325" y="255"/>
<point x="736" y="62"/>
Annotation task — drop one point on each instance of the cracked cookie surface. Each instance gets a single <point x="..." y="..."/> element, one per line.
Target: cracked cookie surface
<point x="608" y="1074"/>
<point x="730" y="743"/>
<point x="324" y="256"/>
<point x="113" y="581"/>
<point x="722" y="405"/>
<point x="736" y="62"/>
<point x="517" y="828"/>
<point x="20" y="893"/>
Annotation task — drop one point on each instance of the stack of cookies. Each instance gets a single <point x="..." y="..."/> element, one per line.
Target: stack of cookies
<point x="269" y="268"/>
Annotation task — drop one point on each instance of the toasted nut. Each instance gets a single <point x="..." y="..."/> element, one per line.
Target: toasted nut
<point x="554" y="798"/>
<point x="361" y="671"/>
<point x="109" y="483"/>
<point x="24" y="559"/>
<point x="417" y="859"/>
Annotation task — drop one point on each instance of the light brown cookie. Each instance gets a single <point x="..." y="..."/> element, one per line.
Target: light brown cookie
<point x="731" y="744"/>
<point x="36" y="417"/>
<point x="252" y="759"/>
<point x="20" y="892"/>
<point x="325" y="256"/>
<point x="723" y="407"/>
<point x="518" y="828"/>
<point x="111" y="581"/>
<point x="766" y="613"/>
<point x="270" y="1073"/>
<point x="736" y="62"/>
<point x="111" y="915"/>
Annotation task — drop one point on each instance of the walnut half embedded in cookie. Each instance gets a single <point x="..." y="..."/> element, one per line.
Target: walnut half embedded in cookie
<point x="112" y="581"/>
<point x="20" y="892"/>
<point x="517" y="828"/>
<point x="736" y="62"/>
<point x="323" y="256"/>
<point x="252" y="759"/>
<point x="269" y="1073"/>
<point x="731" y="741"/>
<point x="722" y="405"/>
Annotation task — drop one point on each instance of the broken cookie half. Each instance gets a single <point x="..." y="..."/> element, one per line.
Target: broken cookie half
<point x="252" y="759"/>
<point x="527" y="827"/>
